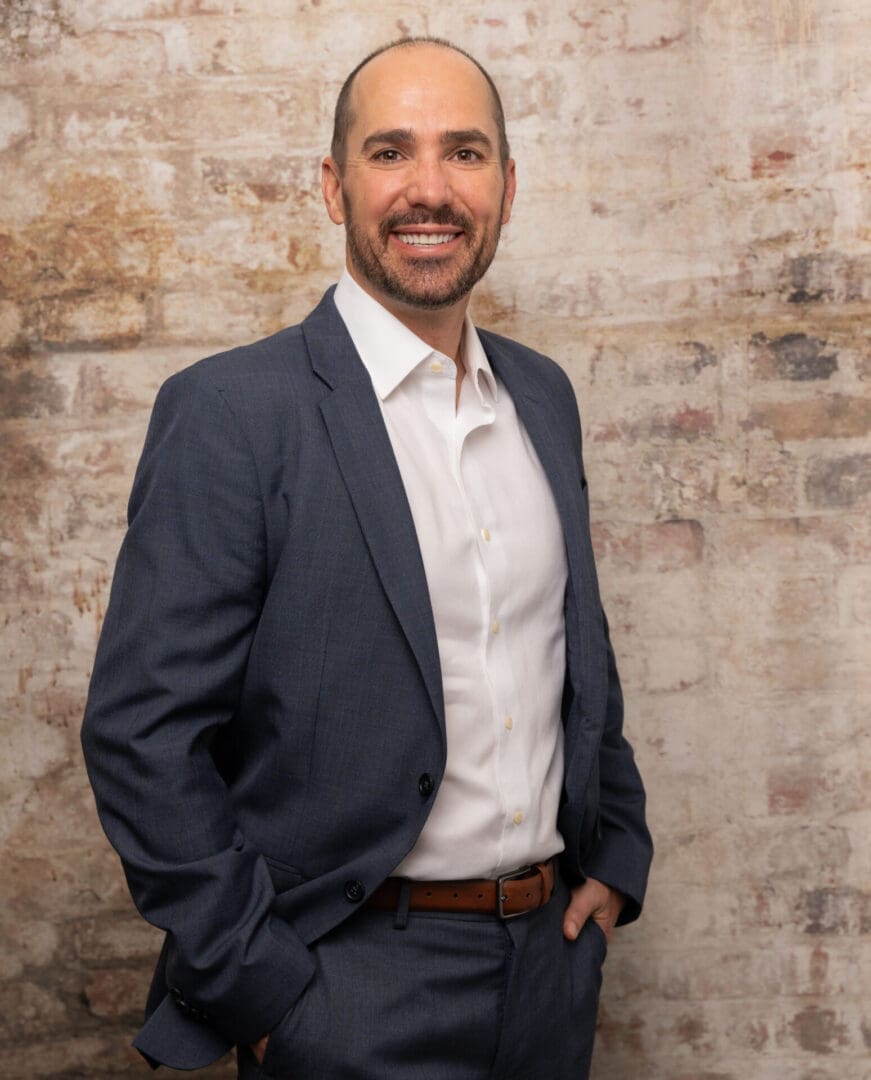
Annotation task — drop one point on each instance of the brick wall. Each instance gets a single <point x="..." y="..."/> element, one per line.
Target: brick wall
<point x="691" y="241"/>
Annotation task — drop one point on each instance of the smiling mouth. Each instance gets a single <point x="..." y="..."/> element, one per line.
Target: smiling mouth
<point x="426" y="239"/>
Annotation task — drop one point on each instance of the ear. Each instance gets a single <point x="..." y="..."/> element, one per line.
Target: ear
<point x="331" y="185"/>
<point x="510" y="190"/>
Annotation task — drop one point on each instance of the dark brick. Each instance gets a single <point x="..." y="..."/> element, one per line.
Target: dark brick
<point x="836" y="911"/>
<point x="705" y="356"/>
<point x="839" y="482"/>
<point x="797" y="357"/>
<point x="819" y="1030"/>
<point x="28" y="393"/>
<point x="802" y="273"/>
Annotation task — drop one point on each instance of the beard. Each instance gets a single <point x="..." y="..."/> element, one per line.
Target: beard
<point x="431" y="283"/>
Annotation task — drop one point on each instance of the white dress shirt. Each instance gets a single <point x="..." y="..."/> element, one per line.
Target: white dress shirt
<point x="494" y="557"/>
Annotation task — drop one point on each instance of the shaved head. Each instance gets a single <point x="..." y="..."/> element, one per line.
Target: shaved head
<point x="343" y="117"/>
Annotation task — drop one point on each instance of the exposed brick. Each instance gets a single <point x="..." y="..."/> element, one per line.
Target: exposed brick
<point x="128" y="937"/>
<point x="28" y="1011"/>
<point x="765" y="480"/>
<point x="227" y="316"/>
<point x="805" y="788"/>
<point x="690" y="242"/>
<point x="771" y="160"/>
<point x="26" y="944"/>
<point x="24" y="392"/>
<point x="785" y="665"/>
<point x="197" y="115"/>
<point x="839" y="482"/>
<point x="86" y="1055"/>
<point x="770" y="603"/>
<point x="837" y="417"/>
<point x="15" y="120"/>
<point x="797" y="357"/>
<point x="97" y="232"/>
<point x="803" y="601"/>
<point x="819" y="1030"/>
<point x="10" y="323"/>
<point x="664" y="546"/>
<point x="117" y="991"/>
<point x="810" y="542"/>
<point x="708" y="969"/>
<point x="654" y="362"/>
<point x="836" y="911"/>
<point x="855" y="596"/>
<point x="686" y="422"/>
<point x="112" y="319"/>
<point x="812" y="279"/>
<point x="110" y="57"/>
<point x="674" y="664"/>
<point x="24" y="471"/>
<point x="673" y="606"/>
<point x="250" y="181"/>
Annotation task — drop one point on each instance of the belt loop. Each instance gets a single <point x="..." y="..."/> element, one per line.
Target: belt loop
<point x="400" y="921"/>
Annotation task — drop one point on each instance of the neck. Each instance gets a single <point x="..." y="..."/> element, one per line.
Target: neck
<point x="440" y="328"/>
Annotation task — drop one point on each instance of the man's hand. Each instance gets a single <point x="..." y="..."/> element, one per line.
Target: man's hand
<point x="592" y="900"/>
<point x="258" y="1049"/>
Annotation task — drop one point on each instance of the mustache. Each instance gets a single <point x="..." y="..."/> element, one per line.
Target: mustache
<point x="443" y="216"/>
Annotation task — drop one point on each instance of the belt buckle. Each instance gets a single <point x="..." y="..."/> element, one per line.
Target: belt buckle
<point x="501" y="897"/>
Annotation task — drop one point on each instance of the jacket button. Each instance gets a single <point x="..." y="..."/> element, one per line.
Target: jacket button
<point x="425" y="785"/>
<point x="354" y="891"/>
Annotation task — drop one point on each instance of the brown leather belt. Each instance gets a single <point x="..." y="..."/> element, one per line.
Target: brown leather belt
<point x="507" y="896"/>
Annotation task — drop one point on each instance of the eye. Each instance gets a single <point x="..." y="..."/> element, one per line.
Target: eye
<point x="466" y="154"/>
<point x="388" y="155"/>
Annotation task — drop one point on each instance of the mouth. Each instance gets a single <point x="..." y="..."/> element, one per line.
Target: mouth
<point x="422" y="239"/>
<point x="427" y="240"/>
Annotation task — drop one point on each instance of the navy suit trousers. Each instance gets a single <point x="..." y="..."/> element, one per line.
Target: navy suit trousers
<point x="443" y="997"/>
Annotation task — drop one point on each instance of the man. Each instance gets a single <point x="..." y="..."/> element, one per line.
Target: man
<point x="355" y="725"/>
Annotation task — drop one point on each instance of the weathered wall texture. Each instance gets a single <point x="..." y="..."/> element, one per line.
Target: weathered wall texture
<point x="691" y="241"/>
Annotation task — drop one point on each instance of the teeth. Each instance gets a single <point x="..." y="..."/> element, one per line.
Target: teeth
<point x="426" y="239"/>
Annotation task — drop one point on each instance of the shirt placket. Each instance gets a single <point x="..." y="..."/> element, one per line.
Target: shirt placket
<point x="472" y="421"/>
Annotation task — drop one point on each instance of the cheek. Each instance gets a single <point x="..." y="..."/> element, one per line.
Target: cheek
<point x="378" y="199"/>
<point x="486" y="204"/>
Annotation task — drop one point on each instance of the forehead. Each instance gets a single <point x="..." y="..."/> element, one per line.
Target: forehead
<point x="420" y="87"/>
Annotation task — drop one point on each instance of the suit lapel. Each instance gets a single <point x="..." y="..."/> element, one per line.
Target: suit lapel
<point x="365" y="457"/>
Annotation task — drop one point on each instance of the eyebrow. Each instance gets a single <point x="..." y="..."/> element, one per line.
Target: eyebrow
<point x="406" y="137"/>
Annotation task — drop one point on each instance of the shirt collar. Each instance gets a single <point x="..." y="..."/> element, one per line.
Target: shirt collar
<point x="390" y="351"/>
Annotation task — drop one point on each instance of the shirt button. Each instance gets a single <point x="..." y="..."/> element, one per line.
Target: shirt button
<point x="436" y="366"/>
<point x="354" y="891"/>
<point x="425" y="785"/>
<point x="509" y="723"/>
<point x="518" y="818"/>
<point x="485" y="534"/>
<point x="496" y="626"/>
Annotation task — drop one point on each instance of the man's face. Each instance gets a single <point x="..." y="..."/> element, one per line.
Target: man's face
<point x="422" y="194"/>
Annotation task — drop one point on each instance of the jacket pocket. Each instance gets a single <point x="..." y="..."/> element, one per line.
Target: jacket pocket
<point x="284" y="877"/>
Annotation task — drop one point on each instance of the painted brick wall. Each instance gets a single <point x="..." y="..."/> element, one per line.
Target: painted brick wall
<point x="691" y="241"/>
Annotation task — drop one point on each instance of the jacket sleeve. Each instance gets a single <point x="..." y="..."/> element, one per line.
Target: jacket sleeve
<point x="185" y="602"/>
<point x="621" y="857"/>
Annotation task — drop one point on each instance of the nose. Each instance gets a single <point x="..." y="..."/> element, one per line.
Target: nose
<point x="429" y="184"/>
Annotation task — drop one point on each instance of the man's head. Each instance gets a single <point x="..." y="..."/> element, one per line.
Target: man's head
<point x="422" y="180"/>
<point x="343" y="117"/>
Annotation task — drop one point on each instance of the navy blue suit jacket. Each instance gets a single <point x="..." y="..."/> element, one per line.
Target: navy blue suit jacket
<point x="267" y="693"/>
